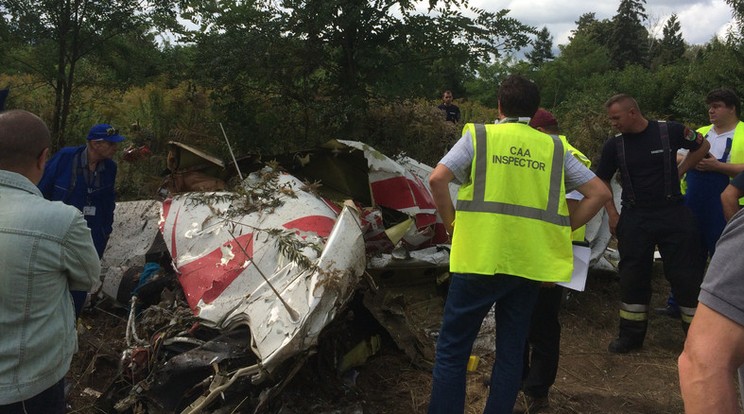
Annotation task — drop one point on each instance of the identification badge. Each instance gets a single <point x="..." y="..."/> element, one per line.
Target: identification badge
<point x="89" y="210"/>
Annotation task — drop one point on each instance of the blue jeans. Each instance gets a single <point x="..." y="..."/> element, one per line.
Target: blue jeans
<point x="469" y="299"/>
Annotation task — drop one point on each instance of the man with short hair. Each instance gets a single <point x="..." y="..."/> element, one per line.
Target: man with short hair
<point x="706" y="182"/>
<point x="724" y="160"/>
<point x="653" y="213"/>
<point x="451" y="111"/>
<point x="85" y="177"/>
<point x="46" y="250"/>
<point x="510" y="232"/>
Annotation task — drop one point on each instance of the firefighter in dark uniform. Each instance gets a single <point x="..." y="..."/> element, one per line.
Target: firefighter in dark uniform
<point x="653" y="214"/>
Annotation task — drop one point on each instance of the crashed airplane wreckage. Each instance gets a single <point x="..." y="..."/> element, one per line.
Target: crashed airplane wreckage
<point x="265" y="268"/>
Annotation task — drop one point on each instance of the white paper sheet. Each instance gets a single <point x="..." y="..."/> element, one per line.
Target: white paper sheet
<point x="581" y="255"/>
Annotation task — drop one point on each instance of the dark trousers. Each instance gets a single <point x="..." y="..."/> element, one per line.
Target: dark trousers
<point x="469" y="299"/>
<point x="543" y="344"/>
<point x="674" y="230"/>
<point x="49" y="401"/>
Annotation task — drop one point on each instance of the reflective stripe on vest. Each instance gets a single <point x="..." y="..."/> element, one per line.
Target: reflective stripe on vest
<point x="507" y="216"/>
<point x="479" y="203"/>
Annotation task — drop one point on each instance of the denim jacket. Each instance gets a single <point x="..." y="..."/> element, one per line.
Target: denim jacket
<point x="45" y="251"/>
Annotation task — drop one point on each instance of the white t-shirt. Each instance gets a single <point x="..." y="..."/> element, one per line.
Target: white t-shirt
<point x="718" y="143"/>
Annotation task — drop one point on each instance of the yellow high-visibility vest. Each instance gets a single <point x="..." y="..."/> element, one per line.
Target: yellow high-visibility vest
<point x="511" y="215"/>
<point x="580" y="233"/>
<point x="737" y="143"/>
<point x="737" y="149"/>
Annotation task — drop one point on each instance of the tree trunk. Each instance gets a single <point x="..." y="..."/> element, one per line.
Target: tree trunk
<point x="61" y="87"/>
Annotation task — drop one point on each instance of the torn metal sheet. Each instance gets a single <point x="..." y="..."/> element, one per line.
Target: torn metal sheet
<point x="598" y="235"/>
<point x="395" y="187"/>
<point x="192" y="170"/>
<point x="397" y="204"/>
<point x="277" y="258"/>
<point x="408" y="298"/>
<point x="135" y="229"/>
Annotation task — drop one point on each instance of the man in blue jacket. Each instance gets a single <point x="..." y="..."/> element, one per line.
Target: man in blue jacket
<point x="84" y="177"/>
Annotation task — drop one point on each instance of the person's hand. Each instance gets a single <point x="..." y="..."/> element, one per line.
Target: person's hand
<point x="613" y="219"/>
<point x="708" y="163"/>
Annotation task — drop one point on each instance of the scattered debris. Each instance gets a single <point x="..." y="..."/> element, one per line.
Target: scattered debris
<point x="229" y="291"/>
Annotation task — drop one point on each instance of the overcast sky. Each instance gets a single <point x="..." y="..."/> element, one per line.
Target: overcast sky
<point x="700" y="19"/>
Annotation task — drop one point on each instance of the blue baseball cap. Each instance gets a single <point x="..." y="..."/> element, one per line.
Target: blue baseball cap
<point x="104" y="132"/>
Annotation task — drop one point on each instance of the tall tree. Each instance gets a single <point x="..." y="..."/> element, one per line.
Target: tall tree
<point x="738" y="10"/>
<point x="628" y="39"/>
<point x="69" y="30"/>
<point x="578" y="61"/>
<point x="672" y="45"/>
<point x="328" y="58"/>
<point x="542" y="48"/>
<point x="589" y="27"/>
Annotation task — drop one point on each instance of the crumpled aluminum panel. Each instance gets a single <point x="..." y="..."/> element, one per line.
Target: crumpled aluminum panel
<point x="394" y="186"/>
<point x="221" y="257"/>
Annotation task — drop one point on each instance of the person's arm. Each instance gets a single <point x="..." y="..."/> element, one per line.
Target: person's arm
<point x="439" y="183"/>
<point x="713" y="350"/>
<point x="613" y="216"/>
<point x="596" y="194"/>
<point x="714" y="165"/>
<point x="693" y="157"/>
<point x="605" y="171"/>
<point x="731" y="195"/>
<point x="730" y="201"/>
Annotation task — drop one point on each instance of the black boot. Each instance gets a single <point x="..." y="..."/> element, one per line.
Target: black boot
<point x="631" y="336"/>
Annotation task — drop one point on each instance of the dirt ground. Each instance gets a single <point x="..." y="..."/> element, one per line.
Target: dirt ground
<point x="590" y="380"/>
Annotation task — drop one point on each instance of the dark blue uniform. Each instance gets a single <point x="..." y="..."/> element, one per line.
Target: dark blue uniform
<point x="653" y="214"/>
<point x="68" y="179"/>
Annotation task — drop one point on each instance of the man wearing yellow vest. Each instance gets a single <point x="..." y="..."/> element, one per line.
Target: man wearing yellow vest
<point x="712" y="174"/>
<point x="511" y="231"/>
<point x="542" y="351"/>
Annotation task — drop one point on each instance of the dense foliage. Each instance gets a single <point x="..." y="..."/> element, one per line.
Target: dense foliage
<point x="289" y="74"/>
